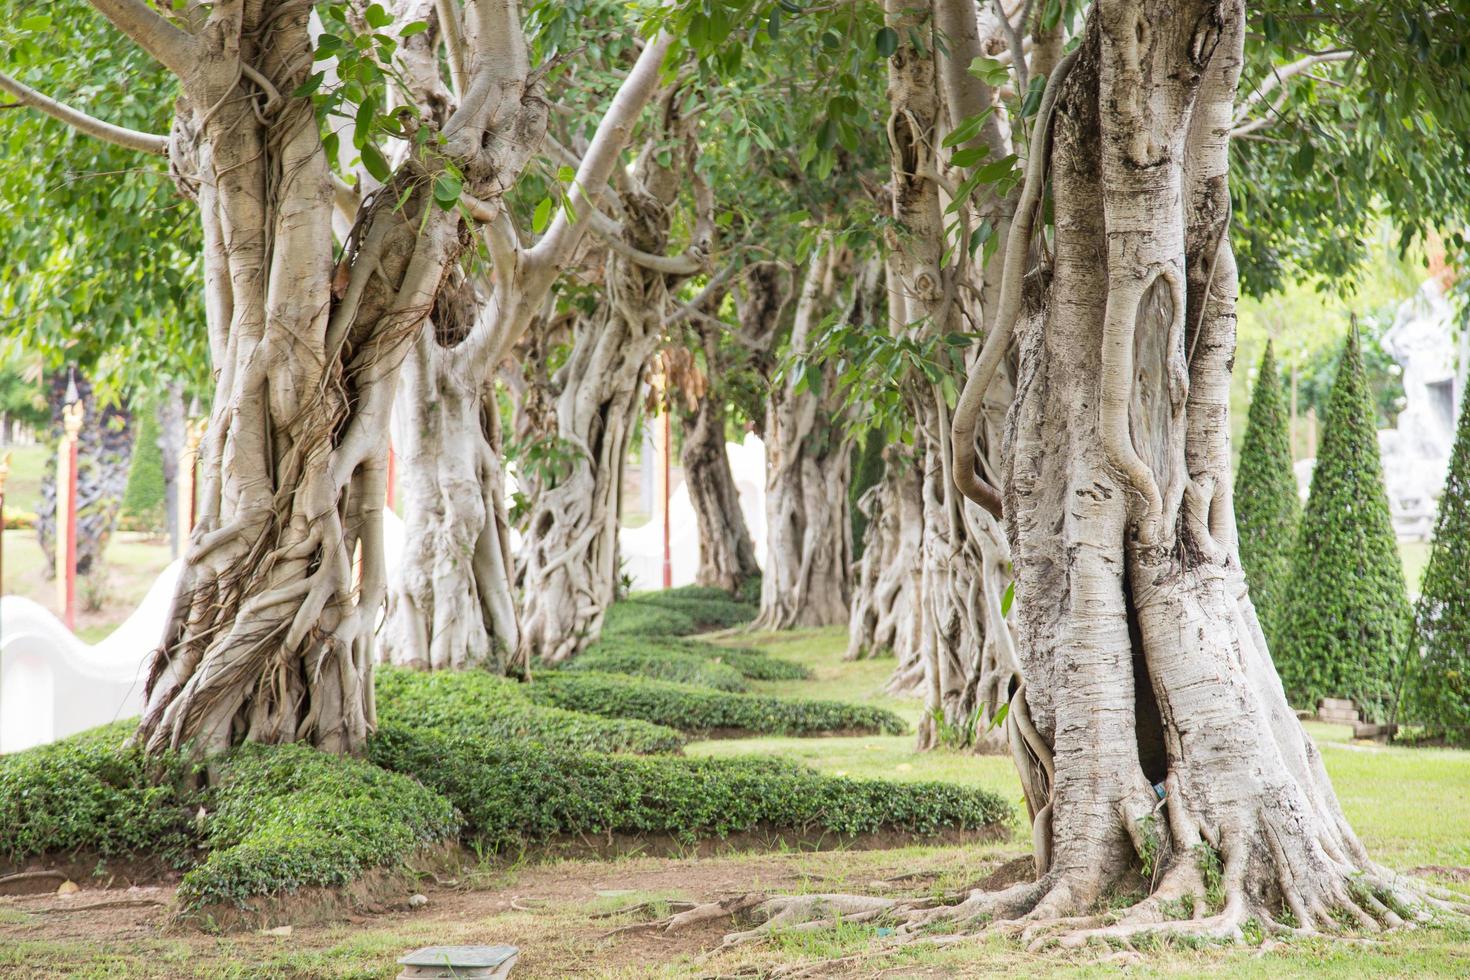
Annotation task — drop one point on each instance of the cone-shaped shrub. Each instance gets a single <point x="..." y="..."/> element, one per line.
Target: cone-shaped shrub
<point x="1346" y="623"/>
<point x="1440" y="692"/>
<point x="1267" y="510"/>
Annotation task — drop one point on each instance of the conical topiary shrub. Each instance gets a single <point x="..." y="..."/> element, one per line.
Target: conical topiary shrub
<point x="1267" y="510"/>
<point x="1439" y="694"/>
<point x="1345" y="626"/>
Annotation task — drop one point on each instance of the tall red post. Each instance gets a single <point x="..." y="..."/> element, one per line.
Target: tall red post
<point x="392" y="473"/>
<point x="71" y="537"/>
<point x="668" y="454"/>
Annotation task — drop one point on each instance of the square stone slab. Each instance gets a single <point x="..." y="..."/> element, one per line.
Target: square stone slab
<point x="458" y="963"/>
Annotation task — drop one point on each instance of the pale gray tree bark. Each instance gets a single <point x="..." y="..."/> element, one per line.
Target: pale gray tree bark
<point x="452" y="602"/>
<point x="807" y="580"/>
<point x="270" y="635"/>
<point x="568" y="562"/>
<point x="1153" y="730"/>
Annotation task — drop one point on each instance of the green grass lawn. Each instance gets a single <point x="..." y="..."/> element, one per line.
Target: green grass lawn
<point x="1411" y="807"/>
<point x="23" y="486"/>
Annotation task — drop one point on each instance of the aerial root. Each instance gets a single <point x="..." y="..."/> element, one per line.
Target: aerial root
<point x="808" y="913"/>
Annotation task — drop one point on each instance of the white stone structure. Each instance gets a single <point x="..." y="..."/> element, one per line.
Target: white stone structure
<point x="53" y="685"/>
<point x="1416" y="450"/>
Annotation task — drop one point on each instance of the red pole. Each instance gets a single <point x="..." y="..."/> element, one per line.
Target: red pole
<point x="668" y="454"/>
<point x="71" y="538"/>
<point x="392" y="473"/>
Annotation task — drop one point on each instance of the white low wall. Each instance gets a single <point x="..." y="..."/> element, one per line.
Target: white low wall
<point x="53" y="685"/>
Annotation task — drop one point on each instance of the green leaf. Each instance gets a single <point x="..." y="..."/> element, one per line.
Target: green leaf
<point x="1008" y="599"/>
<point x="1032" y="102"/>
<point x="968" y="129"/>
<point x="376" y="16"/>
<point x="969" y="156"/>
<point x="886" y="42"/>
<point x="566" y="174"/>
<point x="375" y="162"/>
<point x="542" y="217"/>
<point x="35" y="22"/>
<point x="446" y="189"/>
<point x="309" y="86"/>
<point x="416" y="27"/>
<point x="990" y="71"/>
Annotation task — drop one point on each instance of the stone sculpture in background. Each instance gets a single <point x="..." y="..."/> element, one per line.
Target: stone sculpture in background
<point x="1424" y="342"/>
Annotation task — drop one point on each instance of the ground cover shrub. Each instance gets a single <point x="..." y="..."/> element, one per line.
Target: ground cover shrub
<point x="512" y="794"/>
<point x="660" y="662"/>
<point x="676" y="612"/>
<point x="92" y="793"/>
<point x="689" y="708"/>
<point x="750" y="663"/>
<point x="481" y="705"/>
<point x="286" y="817"/>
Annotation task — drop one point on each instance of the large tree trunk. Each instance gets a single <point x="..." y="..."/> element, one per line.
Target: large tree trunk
<point x="452" y="600"/>
<point x="450" y="604"/>
<point x="271" y="632"/>
<point x="726" y="553"/>
<point x="104" y="453"/>
<point x="569" y="556"/>
<point x="887" y="613"/>
<point x="808" y="573"/>
<point x="1147" y="677"/>
<point x="969" y="663"/>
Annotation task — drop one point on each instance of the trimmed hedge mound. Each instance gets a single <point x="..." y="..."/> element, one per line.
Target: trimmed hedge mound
<point x="751" y="664"/>
<point x="1346" y="622"/>
<point x="662" y="663"/>
<point x="676" y="612"/>
<point x="481" y="705"/>
<point x="90" y="793"/>
<point x="512" y="794"/>
<point x="693" y="709"/>
<point x="289" y="816"/>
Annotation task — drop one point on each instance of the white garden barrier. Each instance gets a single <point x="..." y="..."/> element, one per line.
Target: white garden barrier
<point x="53" y="685"/>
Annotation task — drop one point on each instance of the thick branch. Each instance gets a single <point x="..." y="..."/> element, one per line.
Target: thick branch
<point x="130" y="139"/>
<point x="1018" y="245"/>
<point x="173" y="48"/>
<point x="602" y="155"/>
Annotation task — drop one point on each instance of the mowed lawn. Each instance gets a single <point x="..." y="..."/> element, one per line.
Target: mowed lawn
<point x="1411" y="807"/>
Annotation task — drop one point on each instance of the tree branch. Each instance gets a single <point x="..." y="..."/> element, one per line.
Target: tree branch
<point x="604" y="151"/>
<point x="173" y="48"/>
<point x="131" y="139"/>
<point x="453" y="35"/>
<point x="1278" y="78"/>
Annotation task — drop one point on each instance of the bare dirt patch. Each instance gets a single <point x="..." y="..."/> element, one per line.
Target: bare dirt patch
<point x="564" y="915"/>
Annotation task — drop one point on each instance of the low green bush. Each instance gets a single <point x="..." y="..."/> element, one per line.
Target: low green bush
<point x="660" y="662"/>
<point x="697" y="710"/>
<point x="481" y="705"/>
<point x="91" y="793"/>
<point x="676" y="612"/>
<point x="288" y="816"/>
<point x="512" y="794"/>
<point x="750" y="663"/>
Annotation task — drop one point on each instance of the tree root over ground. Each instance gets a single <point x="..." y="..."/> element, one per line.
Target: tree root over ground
<point x="1189" y="906"/>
